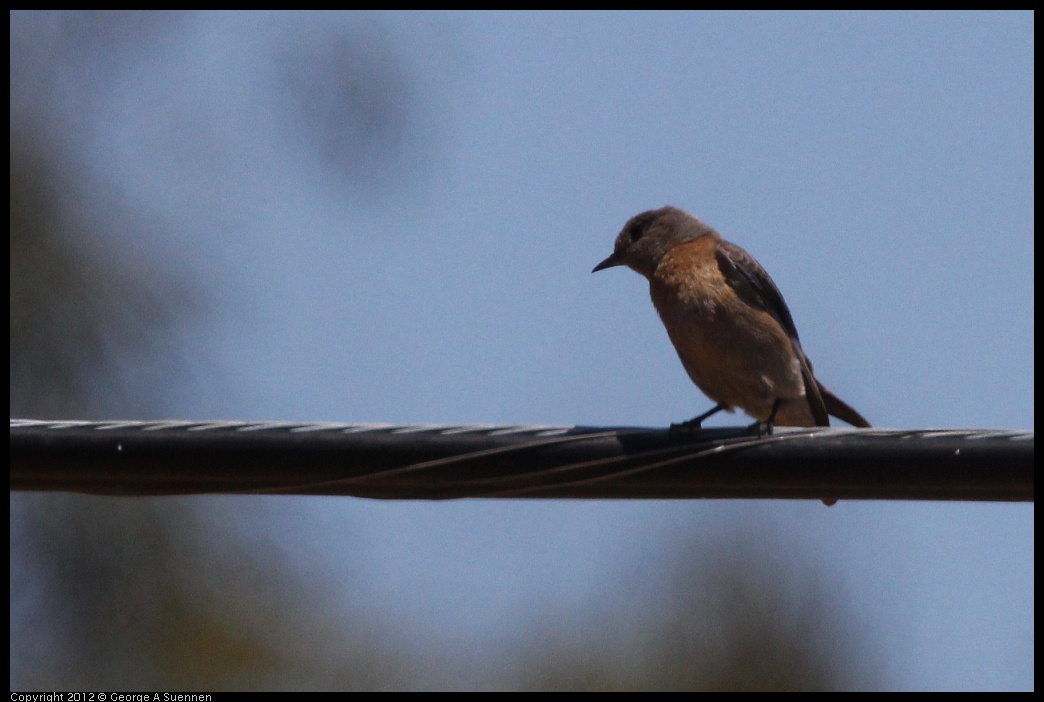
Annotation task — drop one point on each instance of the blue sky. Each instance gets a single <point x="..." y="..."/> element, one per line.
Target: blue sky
<point x="879" y="165"/>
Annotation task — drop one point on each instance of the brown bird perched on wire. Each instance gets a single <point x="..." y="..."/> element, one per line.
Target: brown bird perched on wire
<point x="727" y="321"/>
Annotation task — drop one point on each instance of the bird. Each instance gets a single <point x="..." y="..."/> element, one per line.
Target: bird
<point x="728" y="322"/>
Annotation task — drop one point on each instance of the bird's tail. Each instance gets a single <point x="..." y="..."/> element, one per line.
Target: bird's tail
<point x="837" y="407"/>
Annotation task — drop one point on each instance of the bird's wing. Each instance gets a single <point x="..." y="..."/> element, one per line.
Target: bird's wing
<point x="753" y="284"/>
<point x="815" y="399"/>
<point x="755" y="287"/>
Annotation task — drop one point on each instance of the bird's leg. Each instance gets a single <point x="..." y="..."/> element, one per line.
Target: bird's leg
<point x="759" y="427"/>
<point x="697" y="422"/>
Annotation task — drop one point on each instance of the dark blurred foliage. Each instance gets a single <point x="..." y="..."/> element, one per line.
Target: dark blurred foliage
<point x="88" y="330"/>
<point x="346" y="100"/>
<point x="167" y="593"/>
<point x="154" y="593"/>
<point x="727" y="617"/>
<point x="117" y="594"/>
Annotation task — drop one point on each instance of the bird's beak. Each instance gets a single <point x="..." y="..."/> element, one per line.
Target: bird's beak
<point x="613" y="260"/>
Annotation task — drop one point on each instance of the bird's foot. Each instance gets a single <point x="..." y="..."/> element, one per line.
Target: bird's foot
<point x="696" y="422"/>
<point x="690" y="426"/>
<point x="760" y="428"/>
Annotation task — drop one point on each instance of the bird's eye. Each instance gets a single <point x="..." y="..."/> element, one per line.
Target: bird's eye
<point x="636" y="232"/>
